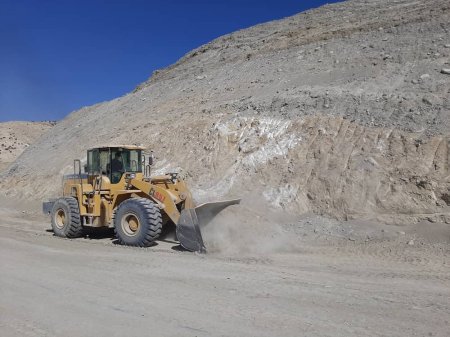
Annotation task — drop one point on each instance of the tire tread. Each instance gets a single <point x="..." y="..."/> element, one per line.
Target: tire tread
<point x="151" y="222"/>
<point x="74" y="228"/>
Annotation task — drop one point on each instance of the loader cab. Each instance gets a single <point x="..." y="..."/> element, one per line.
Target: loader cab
<point x="113" y="162"/>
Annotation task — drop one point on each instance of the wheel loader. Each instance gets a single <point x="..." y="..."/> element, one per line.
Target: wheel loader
<point x="117" y="190"/>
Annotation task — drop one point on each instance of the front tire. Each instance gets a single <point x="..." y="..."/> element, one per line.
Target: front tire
<point x="66" y="220"/>
<point x="137" y="222"/>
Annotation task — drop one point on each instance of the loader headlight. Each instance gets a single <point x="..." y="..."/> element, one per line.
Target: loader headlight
<point x="131" y="175"/>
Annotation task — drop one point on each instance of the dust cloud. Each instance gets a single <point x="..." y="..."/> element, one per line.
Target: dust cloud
<point x="251" y="228"/>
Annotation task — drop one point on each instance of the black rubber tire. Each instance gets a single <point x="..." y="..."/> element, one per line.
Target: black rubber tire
<point x="71" y="227"/>
<point x="148" y="216"/>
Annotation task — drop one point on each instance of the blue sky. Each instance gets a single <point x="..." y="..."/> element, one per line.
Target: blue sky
<point x="58" y="56"/>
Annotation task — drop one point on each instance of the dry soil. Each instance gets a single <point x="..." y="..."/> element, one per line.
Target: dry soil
<point x="319" y="284"/>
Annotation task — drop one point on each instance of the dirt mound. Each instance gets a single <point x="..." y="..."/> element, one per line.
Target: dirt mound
<point x="15" y="137"/>
<point x="343" y="111"/>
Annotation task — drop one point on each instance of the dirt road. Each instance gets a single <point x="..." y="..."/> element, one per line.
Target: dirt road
<point x="92" y="287"/>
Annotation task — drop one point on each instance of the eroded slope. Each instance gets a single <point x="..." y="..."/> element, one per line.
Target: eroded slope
<point x="341" y="110"/>
<point x="15" y="137"/>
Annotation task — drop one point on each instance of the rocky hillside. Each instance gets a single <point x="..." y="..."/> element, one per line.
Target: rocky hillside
<point x="343" y="110"/>
<point x="15" y="137"/>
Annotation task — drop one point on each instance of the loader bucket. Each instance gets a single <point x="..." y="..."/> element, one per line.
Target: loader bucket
<point x="192" y="220"/>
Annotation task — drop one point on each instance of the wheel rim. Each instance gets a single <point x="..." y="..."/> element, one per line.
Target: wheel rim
<point x="130" y="224"/>
<point x="60" y="218"/>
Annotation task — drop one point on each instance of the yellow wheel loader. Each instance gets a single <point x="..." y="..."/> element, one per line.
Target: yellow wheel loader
<point x="116" y="190"/>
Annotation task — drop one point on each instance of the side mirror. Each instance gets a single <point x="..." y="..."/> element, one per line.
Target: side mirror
<point x="150" y="159"/>
<point x="85" y="168"/>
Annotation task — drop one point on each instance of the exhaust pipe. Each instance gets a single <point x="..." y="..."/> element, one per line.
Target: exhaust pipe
<point x="192" y="220"/>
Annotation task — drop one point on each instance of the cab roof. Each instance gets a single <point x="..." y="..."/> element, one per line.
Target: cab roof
<point x="127" y="147"/>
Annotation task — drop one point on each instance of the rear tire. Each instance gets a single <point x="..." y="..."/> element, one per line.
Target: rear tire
<point x="137" y="222"/>
<point x="66" y="221"/>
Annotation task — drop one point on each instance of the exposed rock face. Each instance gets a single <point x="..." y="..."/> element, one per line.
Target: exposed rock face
<point x="341" y="110"/>
<point x="15" y="137"/>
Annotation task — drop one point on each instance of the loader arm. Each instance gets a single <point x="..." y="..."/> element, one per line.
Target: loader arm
<point x="161" y="196"/>
<point x="189" y="222"/>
